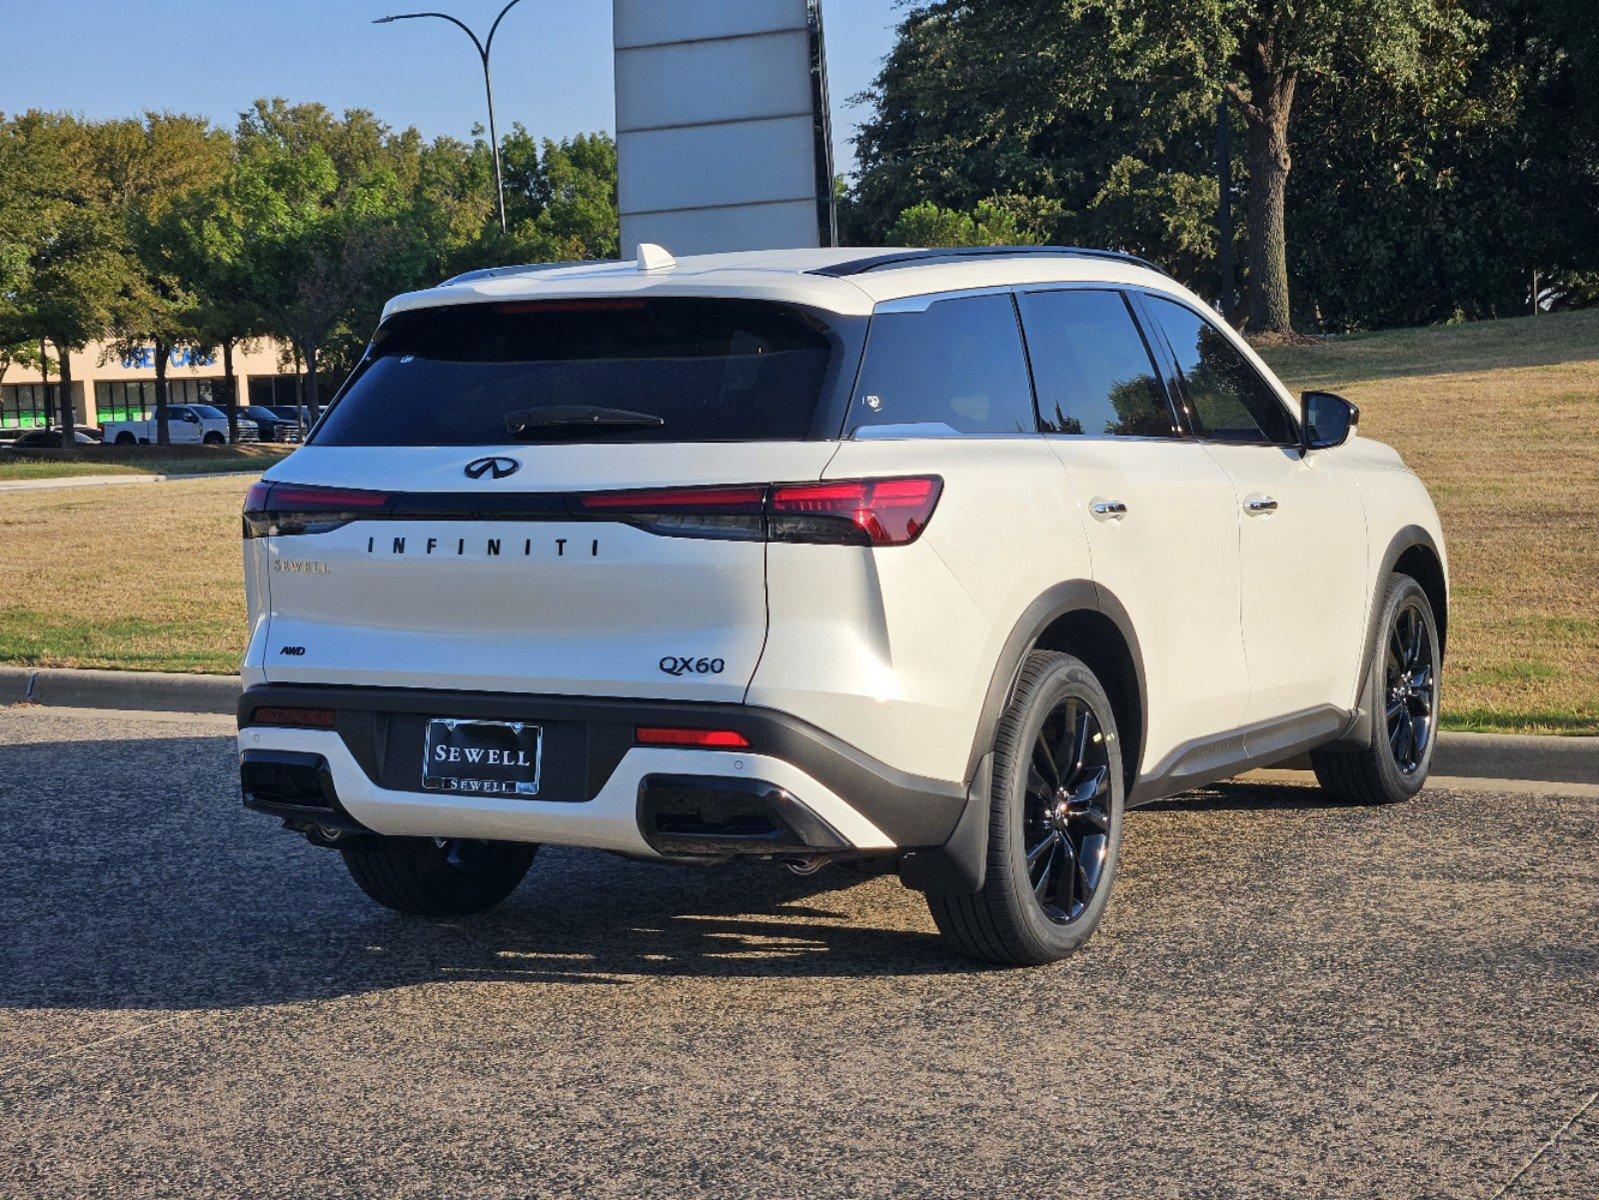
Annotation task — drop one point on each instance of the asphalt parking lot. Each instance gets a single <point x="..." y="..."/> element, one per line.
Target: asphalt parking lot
<point x="1286" y="999"/>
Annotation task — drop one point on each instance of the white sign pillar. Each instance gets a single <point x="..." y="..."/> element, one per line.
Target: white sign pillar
<point x="723" y="136"/>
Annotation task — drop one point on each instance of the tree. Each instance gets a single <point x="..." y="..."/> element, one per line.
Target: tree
<point x="1001" y="220"/>
<point x="152" y="169"/>
<point x="1108" y="107"/>
<point x="319" y="208"/>
<point x="561" y="197"/>
<point x="74" y="281"/>
<point x="1268" y="48"/>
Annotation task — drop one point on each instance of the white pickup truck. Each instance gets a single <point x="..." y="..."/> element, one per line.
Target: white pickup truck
<point x="187" y="425"/>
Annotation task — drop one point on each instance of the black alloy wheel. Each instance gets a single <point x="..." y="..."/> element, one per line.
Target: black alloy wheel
<point x="1411" y="684"/>
<point x="1385" y="759"/>
<point x="1056" y="789"/>
<point x="1067" y="831"/>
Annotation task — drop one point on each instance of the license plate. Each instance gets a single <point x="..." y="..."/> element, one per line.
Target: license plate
<point x="496" y="758"/>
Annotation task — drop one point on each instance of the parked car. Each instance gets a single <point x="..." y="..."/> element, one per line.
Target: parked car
<point x="272" y="425"/>
<point x="50" y="439"/>
<point x="187" y="425"/>
<point x="921" y="561"/>
<point x="300" y="416"/>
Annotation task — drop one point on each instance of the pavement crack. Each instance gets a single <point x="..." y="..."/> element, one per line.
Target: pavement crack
<point x="73" y="1051"/>
<point x="1547" y="1146"/>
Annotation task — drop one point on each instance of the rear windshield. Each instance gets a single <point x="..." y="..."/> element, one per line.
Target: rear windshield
<point x="709" y="370"/>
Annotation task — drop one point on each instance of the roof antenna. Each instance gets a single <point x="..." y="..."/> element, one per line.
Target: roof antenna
<point x="654" y="258"/>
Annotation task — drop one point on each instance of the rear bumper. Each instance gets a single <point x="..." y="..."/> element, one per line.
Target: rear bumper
<point x="599" y="789"/>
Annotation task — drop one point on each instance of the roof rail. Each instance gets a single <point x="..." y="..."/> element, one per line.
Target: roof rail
<point x="524" y="269"/>
<point x="906" y="258"/>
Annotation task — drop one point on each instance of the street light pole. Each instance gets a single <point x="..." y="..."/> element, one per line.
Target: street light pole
<point x="485" y="47"/>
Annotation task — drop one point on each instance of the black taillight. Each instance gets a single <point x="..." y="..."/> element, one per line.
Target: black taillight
<point x="280" y="509"/>
<point x="735" y="513"/>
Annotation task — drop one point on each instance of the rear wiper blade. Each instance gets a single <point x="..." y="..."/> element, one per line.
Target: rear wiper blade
<point x="577" y="419"/>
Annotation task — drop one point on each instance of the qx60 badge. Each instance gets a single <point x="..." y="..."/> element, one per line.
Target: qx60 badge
<point x="494" y="468"/>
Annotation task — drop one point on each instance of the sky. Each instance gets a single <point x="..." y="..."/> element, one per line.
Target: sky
<point x="552" y="59"/>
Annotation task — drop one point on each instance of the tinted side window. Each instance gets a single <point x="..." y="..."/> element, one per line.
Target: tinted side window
<point x="958" y="367"/>
<point x="1093" y="371"/>
<point x="1231" y="402"/>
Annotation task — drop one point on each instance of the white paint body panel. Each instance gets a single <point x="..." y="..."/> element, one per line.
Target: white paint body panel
<point x="1172" y="563"/>
<point x="1304" y="568"/>
<point x="573" y="608"/>
<point x="893" y="649"/>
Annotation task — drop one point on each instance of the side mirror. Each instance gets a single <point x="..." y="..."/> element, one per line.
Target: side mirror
<point x="1326" y="420"/>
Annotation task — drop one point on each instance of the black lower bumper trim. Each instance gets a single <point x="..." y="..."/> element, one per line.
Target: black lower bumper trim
<point x="587" y="737"/>
<point x="297" y="788"/>
<point x="714" y="815"/>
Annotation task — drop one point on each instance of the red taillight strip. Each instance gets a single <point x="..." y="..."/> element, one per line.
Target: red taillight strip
<point x="701" y="739"/>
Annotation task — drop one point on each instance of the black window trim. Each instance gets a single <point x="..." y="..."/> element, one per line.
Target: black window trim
<point x="1157" y="360"/>
<point x="1179" y="386"/>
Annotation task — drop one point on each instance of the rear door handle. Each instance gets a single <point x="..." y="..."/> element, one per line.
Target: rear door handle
<point x="1260" y="505"/>
<point x="1107" y="510"/>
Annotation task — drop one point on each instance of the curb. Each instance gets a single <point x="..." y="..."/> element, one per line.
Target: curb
<point x="1521" y="756"/>
<point x="1466" y="755"/>
<point x="148" y="691"/>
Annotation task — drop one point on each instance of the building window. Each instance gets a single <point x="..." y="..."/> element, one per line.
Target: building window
<point x="135" y="400"/>
<point x="122" y="401"/>
<point x="190" y="391"/>
<point x="25" y="406"/>
<point x="275" y="391"/>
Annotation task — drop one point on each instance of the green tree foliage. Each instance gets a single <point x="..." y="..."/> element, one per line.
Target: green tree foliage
<point x="998" y="221"/>
<point x="1440" y="150"/>
<point x="152" y="171"/>
<point x="561" y="196"/>
<point x="70" y="278"/>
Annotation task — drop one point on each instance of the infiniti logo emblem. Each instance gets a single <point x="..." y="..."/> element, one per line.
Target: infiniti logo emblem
<point x="495" y="468"/>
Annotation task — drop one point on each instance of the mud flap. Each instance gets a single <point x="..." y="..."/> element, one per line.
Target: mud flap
<point x="961" y="864"/>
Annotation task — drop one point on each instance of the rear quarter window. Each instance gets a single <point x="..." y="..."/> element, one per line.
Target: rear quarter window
<point x="710" y="370"/>
<point x="958" y="367"/>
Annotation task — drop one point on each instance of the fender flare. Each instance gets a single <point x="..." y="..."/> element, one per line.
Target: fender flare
<point x="1407" y="538"/>
<point x="960" y="865"/>
<point x="1073" y="595"/>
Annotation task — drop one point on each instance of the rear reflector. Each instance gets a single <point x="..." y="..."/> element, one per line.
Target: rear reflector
<point x="703" y="739"/>
<point x="294" y="718"/>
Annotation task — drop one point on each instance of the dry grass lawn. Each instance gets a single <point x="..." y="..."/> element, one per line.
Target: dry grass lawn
<point x="145" y="577"/>
<point x="1500" y="418"/>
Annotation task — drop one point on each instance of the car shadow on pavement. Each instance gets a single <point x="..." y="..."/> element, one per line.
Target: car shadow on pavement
<point x="136" y="879"/>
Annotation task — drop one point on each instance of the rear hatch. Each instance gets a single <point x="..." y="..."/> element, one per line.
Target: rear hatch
<point x="558" y="497"/>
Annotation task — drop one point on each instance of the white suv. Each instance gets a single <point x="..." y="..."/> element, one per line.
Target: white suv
<point x="925" y="561"/>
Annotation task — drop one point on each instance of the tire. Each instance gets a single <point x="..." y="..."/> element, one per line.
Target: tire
<point x="213" y="439"/>
<point x="1390" y="765"/>
<point x="1019" y="918"/>
<point x="424" y="877"/>
<point x="125" y="439"/>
